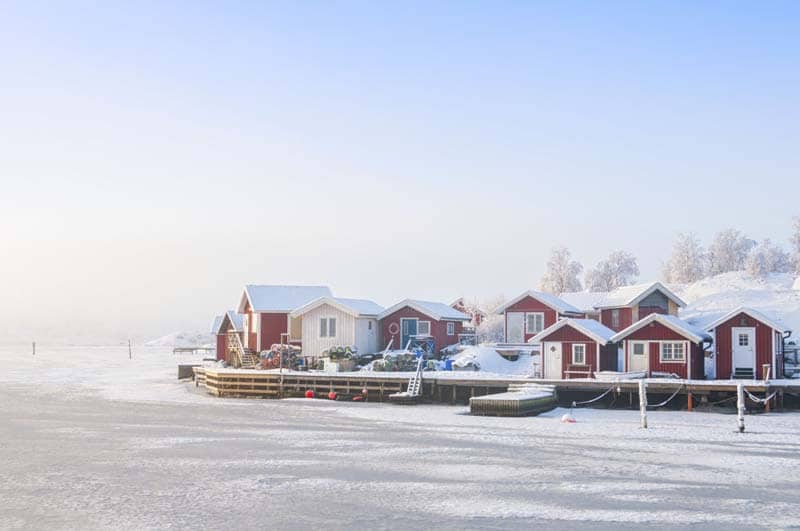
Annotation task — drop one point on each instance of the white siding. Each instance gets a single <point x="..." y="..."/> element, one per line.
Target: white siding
<point x="313" y="345"/>
<point x="366" y="338"/>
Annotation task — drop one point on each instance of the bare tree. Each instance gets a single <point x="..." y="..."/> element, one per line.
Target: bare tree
<point x="562" y="273"/>
<point x="686" y="264"/>
<point x="729" y="251"/>
<point x="768" y="258"/>
<point x="619" y="269"/>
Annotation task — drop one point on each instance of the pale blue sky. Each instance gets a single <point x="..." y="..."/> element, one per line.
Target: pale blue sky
<point x="156" y="156"/>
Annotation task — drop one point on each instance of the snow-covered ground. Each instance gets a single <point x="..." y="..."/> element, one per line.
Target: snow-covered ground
<point x="90" y="439"/>
<point x="183" y="339"/>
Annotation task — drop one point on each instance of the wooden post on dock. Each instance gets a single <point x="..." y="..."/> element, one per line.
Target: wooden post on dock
<point x="643" y="402"/>
<point x="34" y="348"/>
<point x="689" y="401"/>
<point x="130" y="353"/>
<point x="740" y="406"/>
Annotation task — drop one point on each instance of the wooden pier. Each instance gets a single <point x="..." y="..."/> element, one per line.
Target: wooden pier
<point x="459" y="387"/>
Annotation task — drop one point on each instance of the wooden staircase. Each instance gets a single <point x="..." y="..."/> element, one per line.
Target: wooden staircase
<point x="247" y="358"/>
<point x="743" y="374"/>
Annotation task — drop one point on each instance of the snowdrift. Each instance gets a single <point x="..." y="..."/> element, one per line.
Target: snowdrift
<point x="182" y="339"/>
<point x="487" y="359"/>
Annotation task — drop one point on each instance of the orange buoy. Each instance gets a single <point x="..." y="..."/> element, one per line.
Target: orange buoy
<point x="332" y="396"/>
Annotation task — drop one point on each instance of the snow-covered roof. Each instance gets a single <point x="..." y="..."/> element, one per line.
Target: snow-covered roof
<point x="236" y="320"/>
<point x="586" y="301"/>
<point x="354" y="307"/>
<point x="594" y="329"/>
<point x="755" y="314"/>
<point x="625" y="296"/>
<point x="460" y="301"/>
<point x="280" y="299"/>
<point x="670" y="321"/>
<point x="435" y="310"/>
<point x="547" y="299"/>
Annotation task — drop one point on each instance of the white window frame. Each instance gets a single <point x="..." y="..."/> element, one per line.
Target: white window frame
<point x="327" y="327"/>
<point x="420" y="332"/>
<point x="528" y="315"/>
<point x="672" y="358"/>
<point x="253" y="323"/>
<point x="644" y="348"/>
<point x="575" y="348"/>
<point x="615" y="318"/>
<point x="739" y="339"/>
<point x="451" y="328"/>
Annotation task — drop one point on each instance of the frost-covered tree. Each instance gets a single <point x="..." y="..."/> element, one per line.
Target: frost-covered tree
<point x="795" y="241"/>
<point x="687" y="262"/>
<point x="491" y="329"/>
<point x="619" y="269"/>
<point x="729" y="251"/>
<point x="768" y="258"/>
<point x="562" y="273"/>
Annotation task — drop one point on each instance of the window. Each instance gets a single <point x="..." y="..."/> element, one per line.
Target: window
<point x="673" y="352"/>
<point x="327" y="327"/>
<point x="744" y="340"/>
<point x="638" y="349"/>
<point x="451" y="329"/>
<point x="579" y="354"/>
<point x="615" y="319"/>
<point x="369" y="325"/>
<point x="253" y="322"/>
<point x="423" y="328"/>
<point x="534" y="322"/>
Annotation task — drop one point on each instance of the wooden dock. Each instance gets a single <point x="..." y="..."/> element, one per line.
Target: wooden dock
<point x="459" y="387"/>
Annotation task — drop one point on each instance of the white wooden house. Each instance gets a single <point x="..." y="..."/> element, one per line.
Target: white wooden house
<point x="329" y="322"/>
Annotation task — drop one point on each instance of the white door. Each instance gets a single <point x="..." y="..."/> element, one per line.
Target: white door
<point x="515" y="327"/>
<point x="552" y="361"/>
<point x="638" y="356"/>
<point x="744" y="349"/>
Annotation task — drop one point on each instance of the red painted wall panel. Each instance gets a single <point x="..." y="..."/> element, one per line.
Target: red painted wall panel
<point x="272" y="326"/>
<point x="438" y="329"/>
<point x="657" y="332"/>
<point x="723" y="337"/>
<point x="625" y="318"/>
<point x="222" y="345"/>
<point x="529" y="304"/>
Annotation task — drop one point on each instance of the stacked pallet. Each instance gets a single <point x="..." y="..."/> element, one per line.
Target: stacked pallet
<point x="521" y="400"/>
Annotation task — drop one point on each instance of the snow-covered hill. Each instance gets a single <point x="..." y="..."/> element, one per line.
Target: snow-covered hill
<point x="776" y="296"/>
<point x="182" y="339"/>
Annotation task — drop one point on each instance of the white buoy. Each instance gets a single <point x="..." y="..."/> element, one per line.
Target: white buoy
<point x="643" y="402"/>
<point x="740" y="406"/>
<point x="567" y="418"/>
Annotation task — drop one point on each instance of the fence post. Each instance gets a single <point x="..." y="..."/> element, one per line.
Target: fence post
<point x="643" y="402"/>
<point x="34" y="348"/>
<point x="130" y="354"/>
<point x="740" y="406"/>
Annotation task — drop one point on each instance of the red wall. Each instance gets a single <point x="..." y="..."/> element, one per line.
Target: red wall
<point x="625" y="318"/>
<point x="222" y="345"/>
<point x="529" y="304"/>
<point x="272" y="326"/>
<point x="724" y="336"/>
<point x="658" y="332"/>
<point x="567" y="336"/>
<point x="438" y="329"/>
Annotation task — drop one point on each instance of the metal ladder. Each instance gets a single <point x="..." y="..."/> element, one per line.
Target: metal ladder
<point x="415" y="382"/>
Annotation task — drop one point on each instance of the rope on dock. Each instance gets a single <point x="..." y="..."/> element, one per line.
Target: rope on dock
<point x="760" y="400"/>
<point x="665" y="402"/>
<point x="576" y="404"/>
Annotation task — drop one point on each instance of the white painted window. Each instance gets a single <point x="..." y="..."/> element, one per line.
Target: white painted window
<point x="369" y="325"/>
<point x="615" y="319"/>
<point x="451" y="329"/>
<point x="253" y="321"/>
<point x="423" y="328"/>
<point x="534" y="322"/>
<point x="327" y="327"/>
<point x="744" y="340"/>
<point x="638" y="349"/>
<point x="673" y="352"/>
<point x="578" y="354"/>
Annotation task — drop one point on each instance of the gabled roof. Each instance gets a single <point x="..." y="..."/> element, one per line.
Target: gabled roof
<point x="755" y="314"/>
<point x="670" y="321"/>
<point x="354" y="307"/>
<point x="594" y="329"/>
<point x="626" y="296"/>
<point x="280" y="299"/>
<point x="438" y="311"/>
<point x="547" y="299"/>
<point x="236" y="320"/>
